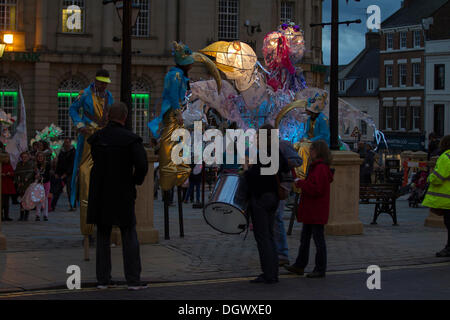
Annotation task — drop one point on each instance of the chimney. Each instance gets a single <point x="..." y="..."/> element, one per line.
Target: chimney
<point x="372" y="40"/>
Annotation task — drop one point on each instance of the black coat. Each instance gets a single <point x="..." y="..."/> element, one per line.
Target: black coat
<point x="120" y="163"/>
<point x="65" y="162"/>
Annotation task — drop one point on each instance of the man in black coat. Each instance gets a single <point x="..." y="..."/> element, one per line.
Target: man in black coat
<point x="120" y="163"/>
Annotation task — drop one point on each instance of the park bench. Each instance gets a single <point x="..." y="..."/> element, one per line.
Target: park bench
<point x="383" y="196"/>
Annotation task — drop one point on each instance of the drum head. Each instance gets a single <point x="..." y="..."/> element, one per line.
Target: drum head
<point x="225" y="218"/>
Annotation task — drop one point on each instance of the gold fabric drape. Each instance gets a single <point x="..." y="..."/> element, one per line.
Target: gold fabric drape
<point x="303" y="149"/>
<point x="171" y="175"/>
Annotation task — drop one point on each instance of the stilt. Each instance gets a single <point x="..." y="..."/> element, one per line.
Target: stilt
<point x="166" y="215"/>
<point x="86" y="248"/>
<point x="203" y="183"/>
<point x="180" y="211"/>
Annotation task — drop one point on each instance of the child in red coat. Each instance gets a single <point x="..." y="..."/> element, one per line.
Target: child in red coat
<point x="8" y="189"/>
<point x="314" y="210"/>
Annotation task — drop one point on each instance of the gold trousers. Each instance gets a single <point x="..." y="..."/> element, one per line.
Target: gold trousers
<point x="84" y="179"/>
<point x="171" y="175"/>
<point x="303" y="149"/>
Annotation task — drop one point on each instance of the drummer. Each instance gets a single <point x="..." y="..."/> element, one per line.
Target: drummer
<point x="317" y="126"/>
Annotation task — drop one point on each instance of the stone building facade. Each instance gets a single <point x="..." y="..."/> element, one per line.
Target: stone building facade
<point x="52" y="59"/>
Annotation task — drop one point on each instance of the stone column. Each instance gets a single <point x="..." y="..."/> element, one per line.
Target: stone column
<point x="3" y="157"/>
<point x="147" y="234"/>
<point x="344" y="198"/>
<point x="108" y="29"/>
<point x="41" y="25"/>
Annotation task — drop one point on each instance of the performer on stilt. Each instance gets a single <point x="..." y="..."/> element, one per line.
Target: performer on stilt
<point x="176" y="86"/>
<point x="89" y="114"/>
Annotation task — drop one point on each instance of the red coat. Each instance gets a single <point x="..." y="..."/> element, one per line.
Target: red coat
<point x="314" y="207"/>
<point x="8" y="179"/>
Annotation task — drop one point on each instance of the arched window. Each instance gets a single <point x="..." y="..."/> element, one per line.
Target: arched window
<point x="9" y="92"/>
<point x="67" y="93"/>
<point x="141" y="108"/>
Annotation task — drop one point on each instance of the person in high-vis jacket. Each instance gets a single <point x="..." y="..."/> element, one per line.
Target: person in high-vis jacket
<point x="438" y="194"/>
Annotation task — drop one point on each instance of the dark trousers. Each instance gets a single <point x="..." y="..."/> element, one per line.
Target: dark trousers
<point x="5" y="206"/>
<point x="68" y="183"/>
<point x="447" y="224"/>
<point x="317" y="232"/>
<point x="263" y="211"/>
<point x="193" y="186"/>
<point x="130" y="251"/>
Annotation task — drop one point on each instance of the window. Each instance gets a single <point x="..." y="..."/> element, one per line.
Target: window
<point x="8" y="15"/>
<point x="141" y="108"/>
<point x="417" y="38"/>
<point x="389" y="41"/>
<point x="439" y="118"/>
<point x="439" y="76"/>
<point x="372" y="84"/>
<point x="342" y="86"/>
<point x="389" y="111"/>
<point x="287" y="11"/>
<point x="416" y="120"/>
<point x="403" y="37"/>
<point x="142" y="27"/>
<point x="228" y="19"/>
<point x="9" y="98"/>
<point x="69" y="11"/>
<point x="402" y="118"/>
<point x="388" y="76"/>
<point x="67" y="93"/>
<point x="416" y="74"/>
<point x="402" y="74"/>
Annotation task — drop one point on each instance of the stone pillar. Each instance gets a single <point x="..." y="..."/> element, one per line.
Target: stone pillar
<point x="3" y="157"/>
<point x="434" y="221"/>
<point x="108" y="29"/>
<point x="344" y="198"/>
<point x="147" y="234"/>
<point x="41" y="25"/>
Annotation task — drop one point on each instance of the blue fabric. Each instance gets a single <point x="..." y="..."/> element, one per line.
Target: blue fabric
<point x="174" y="96"/>
<point x="85" y="104"/>
<point x="280" y="233"/>
<point x="321" y="130"/>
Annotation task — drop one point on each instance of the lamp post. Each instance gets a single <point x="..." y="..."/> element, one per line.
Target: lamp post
<point x="334" y="70"/>
<point x="128" y="14"/>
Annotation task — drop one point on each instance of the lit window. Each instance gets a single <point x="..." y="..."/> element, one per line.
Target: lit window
<point x="287" y="12"/>
<point x="389" y="41"/>
<point x="8" y="15"/>
<point x="402" y="74"/>
<point x="388" y="76"/>
<point x="73" y="16"/>
<point x="228" y="19"/>
<point x="67" y="93"/>
<point x="416" y="74"/>
<point x="142" y="27"/>
<point x="141" y="108"/>
<point x="9" y="97"/>
<point x="403" y="36"/>
<point x="417" y="38"/>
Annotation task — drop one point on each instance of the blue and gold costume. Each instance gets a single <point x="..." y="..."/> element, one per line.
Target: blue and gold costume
<point x="89" y="110"/>
<point x="318" y="129"/>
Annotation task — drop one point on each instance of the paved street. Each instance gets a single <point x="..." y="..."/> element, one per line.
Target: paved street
<point x="420" y="282"/>
<point x="39" y="252"/>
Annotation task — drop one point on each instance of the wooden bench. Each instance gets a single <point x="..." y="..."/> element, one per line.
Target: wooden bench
<point x="383" y="196"/>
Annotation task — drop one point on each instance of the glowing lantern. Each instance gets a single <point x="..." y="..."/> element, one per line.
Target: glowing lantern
<point x="236" y="60"/>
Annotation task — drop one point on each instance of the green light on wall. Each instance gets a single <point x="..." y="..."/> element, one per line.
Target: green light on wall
<point x="67" y="95"/>
<point x="142" y="96"/>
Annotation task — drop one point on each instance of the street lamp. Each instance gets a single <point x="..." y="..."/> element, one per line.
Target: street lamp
<point x="128" y="14"/>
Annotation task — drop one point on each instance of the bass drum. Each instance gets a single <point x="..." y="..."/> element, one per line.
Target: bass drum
<point x="226" y="210"/>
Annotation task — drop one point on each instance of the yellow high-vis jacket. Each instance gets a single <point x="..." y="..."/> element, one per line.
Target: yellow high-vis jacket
<point x="438" y="194"/>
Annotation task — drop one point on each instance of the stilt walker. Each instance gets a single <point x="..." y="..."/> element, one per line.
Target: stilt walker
<point x="89" y="114"/>
<point x="176" y="86"/>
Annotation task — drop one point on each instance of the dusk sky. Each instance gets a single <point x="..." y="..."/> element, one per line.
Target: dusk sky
<point x="352" y="38"/>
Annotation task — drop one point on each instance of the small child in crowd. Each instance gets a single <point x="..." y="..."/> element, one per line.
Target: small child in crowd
<point x="35" y="198"/>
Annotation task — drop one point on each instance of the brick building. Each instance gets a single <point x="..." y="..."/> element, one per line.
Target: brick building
<point x="52" y="63"/>
<point x="402" y="68"/>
